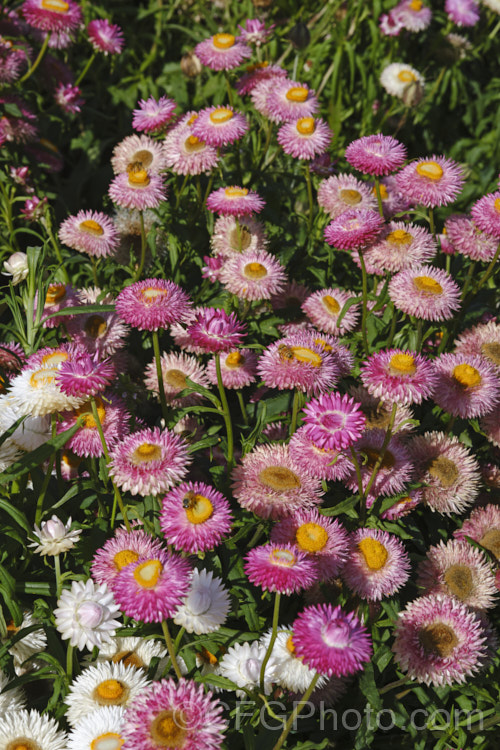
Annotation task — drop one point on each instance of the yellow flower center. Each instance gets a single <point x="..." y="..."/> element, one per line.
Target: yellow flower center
<point x="42" y="378"/>
<point x="284" y="558"/>
<point x="430" y="169"/>
<point x="124" y="557"/>
<point x="374" y="553"/>
<point x="223" y="41"/>
<point x="128" y="659"/>
<point x="235" y="192"/>
<point x="399" y="237"/>
<point x="290" y="645"/>
<point x="138" y="178"/>
<point x="306" y="125"/>
<point x="151" y="293"/>
<point x="108" y="741"/>
<point x="438" y="639"/>
<point x="146" y="452"/>
<point x="91" y="227"/>
<point x="297" y="94"/>
<point x="221" y="115"/>
<point x="427" y="285"/>
<point x="496" y="205"/>
<point x="200" y="510"/>
<point x="444" y="470"/>
<point x="95" y="327"/>
<point x="459" y="580"/>
<point x="303" y="354"/>
<point x="349" y="196"/>
<point x="466" y="375"/>
<point x="491" y="350"/>
<point x="416" y="5"/>
<point x="402" y="364"/>
<point x="256" y="66"/>
<point x="254" y="271"/>
<point x="383" y="192"/>
<point x="279" y="478"/>
<point x="55" y="292"/>
<point x="235" y="360"/>
<point x="111" y="693"/>
<point x="56" y="6"/>
<point x="322" y="343"/>
<point x="169" y="730"/>
<point x="22" y="743"/>
<point x="85" y="412"/>
<point x="311" y="537"/>
<point x="192" y="119"/>
<point x="192" y="144"/>
<point x="406" y="76"/>
<point x="491" y="541"/>
<point x="54" y="359"/>
<point x="331" y="304"/>
<point x="147" y="573"/>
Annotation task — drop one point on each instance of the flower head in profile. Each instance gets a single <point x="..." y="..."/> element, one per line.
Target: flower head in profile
<point x="234" y="201"/>
<point x="105" y="37"/>
<point x="53" y="15"/>
<point x="54" y="537"/>
<point x="85" y="614"/>
<point x="152" y="115"/>
<point x="16" y="266"/>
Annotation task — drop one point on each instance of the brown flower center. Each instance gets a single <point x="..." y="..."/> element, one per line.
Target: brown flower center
<point x="169" y="729"/>
<point x="55" y="293"/>
<point x="438" y="639"/>
<point x="111" y="693"/>
<point x="235" y="360"/>
<point x="351" y="197"/>
<point x="280" y="478"/>
<point x="377" y="417"/>
<point x="255" y="271"/>
<point x="399" y="237"/>
<point x="331" y="304"/>
<point x="444" y="470"/>
<point x="146" y="452"/>
<point x="128" y="659"/>
<point x="175" y="378"/>
<point x="491" y="350"/>
<point x="95" y="327"/>
<point x="141" y="158"/>
<point x="373" y="455"/>
<point x="491" y="541"/>
<point x="458" y="578"/>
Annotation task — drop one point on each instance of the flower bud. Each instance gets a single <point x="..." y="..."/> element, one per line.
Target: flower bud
<point x="191" y="65"/>
<point x="90" y="614"/>
<point x="17" y="267"/>
<point x="299" y="35"/>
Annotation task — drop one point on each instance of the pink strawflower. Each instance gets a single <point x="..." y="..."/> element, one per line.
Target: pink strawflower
<point x="333" y="421"/>
<point x="138" y="151"/>
<point x="399" y="246"/>
<point x="305" y="138"/>
<point x="459" y="570"/>
<point x="321" y="463"/>
<point x="215" y="331"/>
<point x="52" y="15"/>
<point x="90" y="232"/>
<point x="256" y="74"/>
<point x="219" y="126"/>
<point x="431" y="182"/>
<point x="486" y="214"/>
<point x="255" y="32"/>
<point x="396" y="468"/>
<point x="105" y="37"/>
<point x="322" y="539"/>
<point x="69" y="98"/>
<point x="175" y="369"/>
<point x="439" y="641"/>
<point x="390" y="25"/>
<point x="152" y="115"/>
<point x="482" y="340"/>
<point x="426" y="292"/>
<point x="377" y="564"/>
<point x="86" y="441"/>
<point x="466" y="386"/>
<point x="483" y="527"/>
<point x="324" y="307"/>
<point x="152" y="304"/>
<point x="378" y="413"/>
<point x="392" y="201"/>
<point x="413" y="15"/>
<point x="185" y="153"/>
<point x="235" y="201"/>
<point x="259" y="92"/>
<point x="490" y="425"/>
<point x="280" y="568"/>
<point x="342" y="193"/>
<point x="288" y="100"/>
<point x="12" y="357"/>
<point x="376" y="154"/>
<point x="152" y="588"/>
<point x="448" y="471"/>
<point x="253" y="275"/>
<point x="353" y="229"/>
<point x="398" y="375"/>
<point x="238" y="369"/>
<point x="124" y="548"/>
<point x="12" y="60"/>
<point x="468" y="240"/>
<point x="153" y="720"/>
<point x="462" y="12"/>
<point x="271" y="484"/>
<point x="138" y="189"/>
<point x="57" y="298"/>
<point x="402" y="506"/>
<point x="195" y="517"/>
<point x="222" y="52"/>
<point x="85" y="376"/>
<point x="344" y="359"/>
<point x="34" y="208"/>
<point x="331" y="641"/>
<point x="232" y="235"/>
<point x="149" y="462"/>
<point x="297" y="361"/>
<point x="18" y="129"/>
<point x="103" y="334"/>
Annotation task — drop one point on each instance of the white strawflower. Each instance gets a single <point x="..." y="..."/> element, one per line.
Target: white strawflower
<point x="55" y="537"/>
<point x="291" y="673"/>
<point x="10" y="700"/>
<point x="396" y="78"/>
<point x="35" y="392"/>
<point x="103" y="685"/>
<point x="25" y="648"/>
<point x="241" y="664"/>
<point x="16" y="266"/>
<point x="99" y="730"/>
<point x="29" y="730"/>
<point x="133" y="652"/>
<point x="84" y="614"/>
<point x="31" y="433"/>
<point x="206" y="605"/>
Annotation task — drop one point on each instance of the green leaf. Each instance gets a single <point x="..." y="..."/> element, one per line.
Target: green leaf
<point x="81" y="310"/>
<point x="16" y="515"/>
<point x="35" y="458"/>
<point x="341" y="507"/>
<point x="369" y="688"/>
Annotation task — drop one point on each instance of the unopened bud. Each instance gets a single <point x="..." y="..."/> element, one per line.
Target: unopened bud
<point x="299" y="35"/>
<point x="191" y="65"/>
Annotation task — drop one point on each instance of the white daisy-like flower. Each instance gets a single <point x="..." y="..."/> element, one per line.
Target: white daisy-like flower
<point x="55" y="537"/>
<point x="10" y="700"/>
<point x="396" y="78"/>
<point x="100" y="730"/>
<point x="242" y="663"/>
<point x="133" y="652"/>
<point x="291" y="672"/>
<point x="35" y="392"/>
<point x="103" y="685"/>
<point x="85" y="613"/>
<point x="29" y="730"/>
<point x="27" y="647"/>
<point x="31" y="433"/>
<point x="206" y="605"/>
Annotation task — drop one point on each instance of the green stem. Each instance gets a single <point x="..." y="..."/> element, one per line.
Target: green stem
<point x="69" y="663"/>
<point x="226" y="413"/>
<point x="379" y="197"/>
<point x="392" y="330"/>
<point x="364" y="309"/>
<point x="57" y="251"/>
<point x="242" y="406"/>
<point x="420" y="332"/>
<point x="468" y="279"/>
<point x="171" y="649"/>
<point x="94" y="270"/>
<point x="362" y="498"/>
<point x="38" y="60"/>
<point x="86" y="69"/>
<point x="380" y="458"/>
<point x="309" y="196"/>
<point x="432" y="225"/>
<point x="138" y="273"/>
<point x="295" y="411"/>
<point x="296" y="711"/>
<point x="57" y="570"/>
<point x="229" y="89"/>
<point x="393" y="685"/>
<point x="272" y="641"/>
<point x="486" y="275"/>
<point x="159" y="373"/>
<point x="178" y="199"/>
<point x="43" y="491"/>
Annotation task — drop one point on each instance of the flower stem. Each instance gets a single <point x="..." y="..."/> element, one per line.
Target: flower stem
<point x="295" y="411"/>
<point x="362" y="509"/>
<point x="296" y="711"/>
<point x="226" y="413"/>
<point x="379" y="197"/>
<point x="309" y="195"/>
<point x="242" y="407"/>
<point x="159" y="373"/>
<point x="380" y="458"/>
<point x="170" y="648"/>
<point x="432" y="225"/>
<point x="138" y="273"/>
<point x="69" y="662"/>
<point x="86" y="69"/>
<point x="364" y="310"/>
<point x="271" y="642"/>
<point x="38" y="60"/>
<point x="57" y="570"/>
<point x="393" y="685"/>
<point x="229" y="90"/>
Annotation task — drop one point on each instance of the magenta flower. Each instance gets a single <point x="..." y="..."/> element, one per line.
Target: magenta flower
<point x="289" y="100"/>
<point x="105" y="37"/>
<point x="463" y="12"/>
<point x="377" y="155"/>
<point x="85" y="376"/>
<point x="354" y="229"/>
<point x="222" y="52"/>
<point x="151" y="115"/>
<point x="234" y="201"/>
<point x="216" y="331"/>
<point x="281" y="568"/>
<point x="152" y="304"/>
<point x="397" y="375"/>
<point x="467" y="239"/>
<point x="124" y="548"/>
<point x="52" y="15"/>
<point x="333" y="421"/>
<point x="486" y="214"/>
<point x="466" y="386"/>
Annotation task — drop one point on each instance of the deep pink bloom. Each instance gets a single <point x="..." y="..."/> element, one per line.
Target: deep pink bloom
<point x="468" y="240"/>
<point x="52" y="15"/>
<point x="376" y="154"/>
<point x="256" y="74"/>
<point x="463" y="12"/>
<point x="390" y="25"/>
<point x="354" y="229"/>
<point x="281" y="568"/>
<point x="69" y="98"/>
<point x="85" y="376"/>
<point x="397" y="375"/>
<point x="152" y="304"/>
<point x="318" y="462"/>
<point x="234" y="201"/>
<point x="12" y="60"/>
<point x="331" y="641"/>
<point x="238" y="369"/>
<point x="222" y="52"/>
<point x="105" y="37"/>
<point x="431" y="182"/>
<point x="297" y="361"/>
<point x="86" y="441"/>
<point x="333" y="421"/>
<point x="121" y="550"/>
<point x="34" y="208"/>
<point x="216" y="331"/>
<point x="152" y="115"/>
<point x="486" y="214"/>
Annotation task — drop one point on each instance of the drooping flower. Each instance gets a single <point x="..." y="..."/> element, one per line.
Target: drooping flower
<point x="426" y="292"/>
<point x="152" y="304"/>
<point x="90" y="232"/>
<point x="222" y="52"/>
<point x="255" y="32"/>
<point x="84" y="614"/>
<point x="376" y="154"/>
<point x="377" y="564"/>
<point x="431" y="182"/>
<point x="206" y="605"/>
